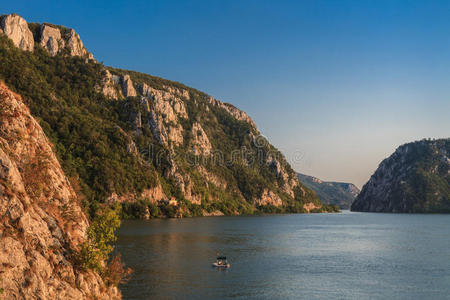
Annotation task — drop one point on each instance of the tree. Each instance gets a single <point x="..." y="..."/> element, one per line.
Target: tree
<point x="101" y="234"/>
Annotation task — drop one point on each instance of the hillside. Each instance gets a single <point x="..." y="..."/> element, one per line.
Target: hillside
<point x="339" y="193"/>
<point x="43" y="225"/>
<point x="157" y="147"/>
<point x="414" y="179"/>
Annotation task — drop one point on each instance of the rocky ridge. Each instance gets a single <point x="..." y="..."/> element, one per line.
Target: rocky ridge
<point x="48" y="36"/>
<point x="198" y="146"/>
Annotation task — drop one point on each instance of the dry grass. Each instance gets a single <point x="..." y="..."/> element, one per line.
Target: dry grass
<point x="115" y="272"/>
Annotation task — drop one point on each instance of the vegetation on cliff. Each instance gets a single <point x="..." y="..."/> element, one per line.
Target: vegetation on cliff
<point x="414" y="179"/>
<point x="43" y="224"/>
<point x="139" y="151"/>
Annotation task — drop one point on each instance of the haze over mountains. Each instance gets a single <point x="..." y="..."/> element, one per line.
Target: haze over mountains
<point x="339" y="193"/>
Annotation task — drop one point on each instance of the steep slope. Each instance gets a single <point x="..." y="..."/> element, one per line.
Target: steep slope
<point x="42" y="223"/>
<point x="339" y="193"/>
<point x="414" y="179"/>
<point x="156" y="146"/>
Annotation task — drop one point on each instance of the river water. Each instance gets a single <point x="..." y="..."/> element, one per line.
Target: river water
<point x="298" y="256"/>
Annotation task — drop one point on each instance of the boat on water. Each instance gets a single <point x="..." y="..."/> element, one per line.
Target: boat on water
<point x="221" y="262"/>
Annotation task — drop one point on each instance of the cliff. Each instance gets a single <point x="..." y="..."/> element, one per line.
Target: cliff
<point x="414" y="179"/>
<point x="341" y="194"/>
<point x="156" y="146"/>
<point x="55" y="39"/>
<point x="42" y="223"/>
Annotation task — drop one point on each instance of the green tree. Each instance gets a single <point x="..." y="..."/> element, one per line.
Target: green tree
<point x="101" y="235"/>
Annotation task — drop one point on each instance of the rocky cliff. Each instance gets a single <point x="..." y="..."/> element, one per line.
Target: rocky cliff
<point x="341" y="194"/>
<point x="42" y="223"/>
<point x="16" y="28"/>
<point x="157" y="146"/>
<point x="55" y="39"/>
<point x="414" y="179"/>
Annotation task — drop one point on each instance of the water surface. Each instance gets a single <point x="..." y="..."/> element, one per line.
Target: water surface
<point x="314" y="256"/>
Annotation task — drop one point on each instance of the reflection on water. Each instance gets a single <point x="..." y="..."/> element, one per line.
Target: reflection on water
<point x="347" y="256"/>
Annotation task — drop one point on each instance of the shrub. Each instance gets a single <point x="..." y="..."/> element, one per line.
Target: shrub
<point x="115" y="272"/>
<point x="98" y="245"/>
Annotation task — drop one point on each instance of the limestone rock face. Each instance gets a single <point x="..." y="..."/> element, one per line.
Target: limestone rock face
<point x="51" y="39"/>
<point x="109" y="86"/>
<point x="165" y="133"/>
<point x="164" y="121"/>
<point x="42" y="221"/>
<point x="185" y="184"/>
<point x="289" y="181"/>
<point x="200" y="143"/>
<point x="269" y="198"/>
<point x="163" y="107"/>
<point x="145" y="104"/>
<point x="76" y="46"/>
<point x="181" y="93"/>
<point x="157" y="127"/>
<point x="169" y="101"/>
<point x="154" y="194"/>
<point x="127" y="86"/>
<point x="232" y="110"/>
<point x="16" y="28"/>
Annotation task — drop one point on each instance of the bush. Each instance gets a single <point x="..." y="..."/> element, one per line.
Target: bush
<point x="115" y="272"/>
<point x="98" y="245"/>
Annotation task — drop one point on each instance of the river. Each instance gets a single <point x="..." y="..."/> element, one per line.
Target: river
<point x="297" y="256"/>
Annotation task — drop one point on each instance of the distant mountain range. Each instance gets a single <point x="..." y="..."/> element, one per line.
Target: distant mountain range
<point x="414" y="179"/>
<point x="339" y="193"/>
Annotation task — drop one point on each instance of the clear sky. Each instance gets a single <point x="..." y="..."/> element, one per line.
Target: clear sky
<point x="335" y="85"/>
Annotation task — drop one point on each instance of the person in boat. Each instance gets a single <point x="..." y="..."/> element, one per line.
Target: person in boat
<point x="222" y="260"/>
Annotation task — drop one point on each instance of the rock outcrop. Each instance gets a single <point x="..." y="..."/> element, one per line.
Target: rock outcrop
<point x="76" y="46"/>
<point x="414" y="179"/>
<point x="109" y="84"/>
<point x="268" y="198"/>
<point x="16" y="28"/>
<point x="164" y="121"/>
<point x="200" y="142"/>
<point x="168" y="102"/>
<point x="289" y="181"/>
<point x="232" y="110"/>
<point x="42" y="221"/>
<point x="127" y="86"/>
<point x="51" y="39"/>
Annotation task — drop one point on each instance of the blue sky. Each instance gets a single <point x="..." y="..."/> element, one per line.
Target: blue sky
<point x="336" y="85"/>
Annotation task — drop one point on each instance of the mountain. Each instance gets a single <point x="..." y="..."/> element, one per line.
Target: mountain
<point x="339" y="193"/>
<point x="156" y="147"/>
<point x="414" y="179"/>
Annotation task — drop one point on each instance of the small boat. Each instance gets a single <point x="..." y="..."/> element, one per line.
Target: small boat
<point x="221" y="262"/>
